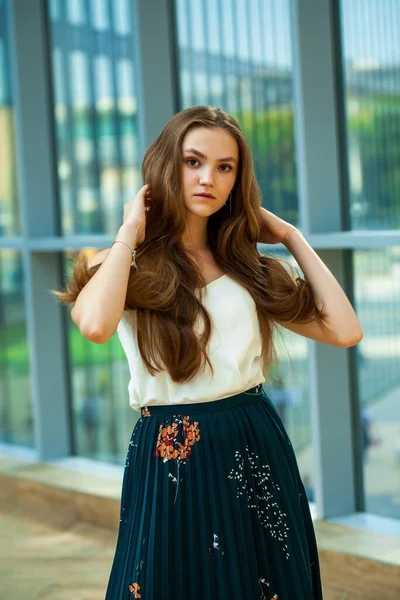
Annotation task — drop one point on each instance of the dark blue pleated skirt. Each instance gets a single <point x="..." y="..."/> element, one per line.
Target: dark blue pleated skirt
<point x="213" y="507"/>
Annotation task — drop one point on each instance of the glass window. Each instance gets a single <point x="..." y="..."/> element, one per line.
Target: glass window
<point x="16" y="418"/>
<point x="377" y="303"/>
<point x="370" y="37"/>
<point x="237" y="55"/>
<point x="289" y="391"/>
<point x="9" y="215"/>
<point x="95" y="113"/>
<point x="102" y="419"/>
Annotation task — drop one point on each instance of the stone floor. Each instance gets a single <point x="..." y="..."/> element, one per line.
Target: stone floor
<point x="46" y="558"/>
<point x="50" y="551"/>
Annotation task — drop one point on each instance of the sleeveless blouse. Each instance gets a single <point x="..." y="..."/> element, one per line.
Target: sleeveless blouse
<point x="234" y="349"/>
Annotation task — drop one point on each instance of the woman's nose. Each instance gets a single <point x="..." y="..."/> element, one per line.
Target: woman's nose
<point x="206" y="177"/>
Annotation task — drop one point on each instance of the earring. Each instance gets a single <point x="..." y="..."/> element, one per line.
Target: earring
<point x="230" y="202"/>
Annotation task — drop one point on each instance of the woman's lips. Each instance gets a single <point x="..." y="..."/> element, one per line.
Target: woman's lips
<point x="204" y="197"/>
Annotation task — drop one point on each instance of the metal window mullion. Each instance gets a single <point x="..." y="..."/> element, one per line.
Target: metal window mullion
<point x="341" y="112"/>
<point x="156" y="66"/>
<point x="353" y="384"/>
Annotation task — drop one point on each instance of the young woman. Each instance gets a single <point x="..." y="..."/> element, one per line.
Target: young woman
<point x="212" y="505"/>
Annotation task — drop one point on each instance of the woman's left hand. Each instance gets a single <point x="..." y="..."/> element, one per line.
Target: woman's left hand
<point x="273" y="229"/>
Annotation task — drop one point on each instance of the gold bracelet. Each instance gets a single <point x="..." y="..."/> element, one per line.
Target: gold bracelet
<point x="133" y="252"/>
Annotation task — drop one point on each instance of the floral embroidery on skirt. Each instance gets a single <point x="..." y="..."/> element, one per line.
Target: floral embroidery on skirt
<point x="262" y="496"/>
<point x="175" y="443"/>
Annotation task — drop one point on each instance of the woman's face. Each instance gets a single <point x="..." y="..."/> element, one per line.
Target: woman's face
<point x="210" y="166"/>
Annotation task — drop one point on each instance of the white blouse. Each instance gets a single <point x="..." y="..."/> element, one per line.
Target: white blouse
<point x="234" y="350"/>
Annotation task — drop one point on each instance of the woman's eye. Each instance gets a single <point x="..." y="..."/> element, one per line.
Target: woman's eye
<point x="191" y="160"/>
<point x="226" y="170"/>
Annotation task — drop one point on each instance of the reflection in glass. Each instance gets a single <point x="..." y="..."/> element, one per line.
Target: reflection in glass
<point x="95" y="113"/>
<point x="237" y="55"/>
<point x="16" y="418"/>
<point x="9" y="217"/>
<point x="370" y="37"/>
<point x="102" y="419"/>
<point x="377" y="303"/>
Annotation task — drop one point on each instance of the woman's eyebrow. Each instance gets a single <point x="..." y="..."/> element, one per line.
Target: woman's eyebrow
<point x="198" y="153"/>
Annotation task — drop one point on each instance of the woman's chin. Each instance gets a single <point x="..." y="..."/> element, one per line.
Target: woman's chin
<point x="202" y="211"/>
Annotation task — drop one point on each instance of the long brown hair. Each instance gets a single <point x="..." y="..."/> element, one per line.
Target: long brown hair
<point x="166" y="291"/>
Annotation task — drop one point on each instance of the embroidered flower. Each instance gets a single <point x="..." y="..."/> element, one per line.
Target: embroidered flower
<point x="175" y="443"/>
<point x="146" y="412"/>
<point x="134" y="589"/>
<point x="168" y="445"/>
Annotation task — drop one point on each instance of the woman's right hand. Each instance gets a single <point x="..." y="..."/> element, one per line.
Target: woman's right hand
<point x="135" y="213"/>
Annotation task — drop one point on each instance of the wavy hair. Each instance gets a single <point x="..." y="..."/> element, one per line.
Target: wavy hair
<point x="166" y="290"/>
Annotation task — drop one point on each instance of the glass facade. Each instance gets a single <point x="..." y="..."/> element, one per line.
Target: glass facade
<point x="16" y="419"/>
<point x="95" y="112"/>
<point x="377" y="303"/>
<point x="236" y="54"/>
<point x="9" y="215"/>
<point x="102" y="419"/>
<point x="370" y="34"/>
<point x="231" y="55"/>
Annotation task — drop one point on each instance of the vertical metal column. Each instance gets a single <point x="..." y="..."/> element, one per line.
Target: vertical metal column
<point x="155" y="50"/>
<point x="319" y="153"/>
